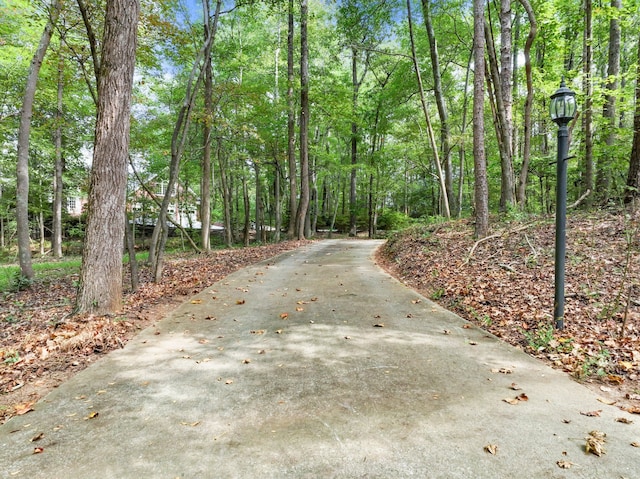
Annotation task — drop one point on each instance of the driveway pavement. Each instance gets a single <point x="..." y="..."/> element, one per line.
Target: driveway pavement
<point x="317" y="364"/>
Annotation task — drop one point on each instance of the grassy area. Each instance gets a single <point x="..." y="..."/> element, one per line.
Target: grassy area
<point x="49" y="269"/>
<point x="10" y="274"/>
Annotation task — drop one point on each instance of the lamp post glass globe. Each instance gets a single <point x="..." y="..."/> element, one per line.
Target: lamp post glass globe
<point x="563" y="104"/>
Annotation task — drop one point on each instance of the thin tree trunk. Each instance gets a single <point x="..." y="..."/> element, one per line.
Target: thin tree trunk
<point x="226" y="194"/>
<point x="304" y="122"/>
<point x="205" y="189"/>
<point x="609" y="110"/>
<point x="481" y="185"/>
<point x="100" y="288"/>
<point x="502" y="122"/>
<point x="247" y="211"/>
<point x="56" y="234"/>
<point x="425" y="110"/>
<point x="445" y="134"/>
<point x="291" y="128"/>
<point x="633" y="176"/>
<point x="528" y="106"/>
<point x="24" y="132"/>
<point x="589" y="168"/>
<point x="178" y="143"/>
<point x="353" y="226"/>
<point x="131" y="249"/>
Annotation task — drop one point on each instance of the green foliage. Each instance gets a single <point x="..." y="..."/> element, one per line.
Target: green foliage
<point x="539" y="338"/>
<point x="393" y="220"/>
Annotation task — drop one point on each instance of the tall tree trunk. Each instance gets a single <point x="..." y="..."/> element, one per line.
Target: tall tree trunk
<point x="131" y="249"/>
<point x="277" y="189"/>
<point x="291" y="128"/>
<point x="479" y="159"/>
<point x="633" y="176"/>
<point x="205" y="187"/>
<point x="528" y="106"/>
<point x="502" y="108"/>
<point x="609" y="109"/>
<point x="247" y="211"/>
<point x="100" y="288"/>
<point x="226" y="194"/>
<point x="56" y="234"/>
<point x="445" y="134"/>
<point x="355" y="84"/>
<point x="178" y="143"/>
<point x="24" y="132"/>
<point x="587" y="87"/>
<point x="436" y="157"/>
<point x="304" y="122"/>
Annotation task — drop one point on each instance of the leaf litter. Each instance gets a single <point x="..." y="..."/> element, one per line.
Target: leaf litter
<point x="42" y="344"/>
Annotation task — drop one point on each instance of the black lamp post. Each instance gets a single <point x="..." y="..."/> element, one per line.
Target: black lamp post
<point x="563" y="110"/>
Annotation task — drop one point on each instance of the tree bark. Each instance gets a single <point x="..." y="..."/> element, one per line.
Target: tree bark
<point x="609" y="109"/>
<point x="304" y="122"/>
<point x="521" y="193"/>
<point x="589" y="167"/>
<point x="445" y="134"/>
<point x="355" y="84"/>
<point x="480" y="163"/>
<point x="100" y="289"/>
<point x="24" y="132"/>
<point x="291" y="128"/>
<point x="436" y="157"/>
<point x="178" y="143"/>
<point x="633" y="176"/>
<point x="56" y="234"/>
<point x="205" y="186"/>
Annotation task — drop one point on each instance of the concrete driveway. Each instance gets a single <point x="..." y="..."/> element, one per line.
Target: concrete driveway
<point x="317" y="364"/>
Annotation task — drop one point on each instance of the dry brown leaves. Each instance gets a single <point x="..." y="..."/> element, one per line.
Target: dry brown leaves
<point x="42" y="343"/>
<point x="507" y="287"/>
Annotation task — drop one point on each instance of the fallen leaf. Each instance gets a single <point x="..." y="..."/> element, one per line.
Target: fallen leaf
<point x="512" y="401"/>
<point x="299" y="310"/>
<point x="409" y="315"/>
<point x="257" y="331"/>
<point x="591" y="413"/>
<point x="502" y="371"/>
<point x="92" y="415"/>
<point x="564" y="464"/>
<point x="416" y="301"/>
<point x="515" y="387"/>
<point x="229" y="381"/>
<point x="608" y="402"/>
<point x="566" y="421"/>
<point x="246" y="361"/>
<point x="191" y="424"/>
<point x="473" y="343"/>
<point x="279" y="331"/>
<point x="203" y="341"/>
<point x="491" y="449"/>
<point x="633" y="409"/>
<point x="635" y="444"/>
<point x="378" y="325"/>
<point x="466" y="326"/>
<point x="595" y="443"/>
<point x="21" y="409"/>
<point x="196" y="301"/>
<point x="284" y="315"/>
<point x="523" y="397"/>
<point x="314" y="299"/>
<point x="446" y="331"/>
<point x="615" y="379"/>
<point x="37" y="437"/>
<point x="347" y="337"/>
<point x="240" y="301"/>
<point x="624" y="420"/>
<point x="38" y="450"/>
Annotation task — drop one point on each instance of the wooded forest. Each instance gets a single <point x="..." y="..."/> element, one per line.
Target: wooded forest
<point x="260" y="120"/>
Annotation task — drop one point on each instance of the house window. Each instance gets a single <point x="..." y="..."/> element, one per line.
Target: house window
<point x="71" y="204"/>
<point x="161" y="189"/>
